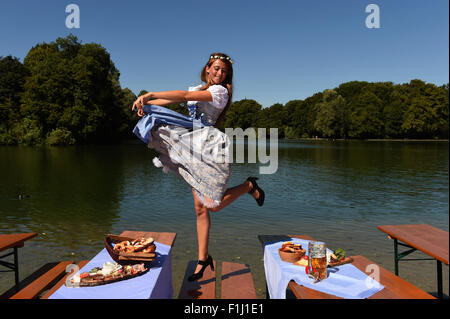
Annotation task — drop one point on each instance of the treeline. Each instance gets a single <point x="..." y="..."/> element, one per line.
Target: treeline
<point x="66" y="93"/>
<point x="354" y="110"/>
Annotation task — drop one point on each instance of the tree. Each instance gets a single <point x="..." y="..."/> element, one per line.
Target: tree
<point x="364" y="119"/>
<point x="393" y="113"/>
<point x="272" y="116"/>
<point x="73" y="88"/>
<point x="427" y="110"/>
<point x="331" y="118"/>
<point x="243" y="114"/>
<point x="12" y="79"/>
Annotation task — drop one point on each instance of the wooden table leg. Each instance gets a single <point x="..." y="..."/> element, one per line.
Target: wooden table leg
<point x="12" y="266"/>
<point x="395" y="256"/>
<point x="439" y="279"/>
<point x="16" y="266"/>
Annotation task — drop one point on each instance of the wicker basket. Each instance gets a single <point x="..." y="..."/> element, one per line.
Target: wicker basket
<point x="126" y="258"/>
<point x="291" y="257"/>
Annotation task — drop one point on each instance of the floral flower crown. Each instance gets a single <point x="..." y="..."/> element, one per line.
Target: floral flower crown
<point x="221" y="57"/>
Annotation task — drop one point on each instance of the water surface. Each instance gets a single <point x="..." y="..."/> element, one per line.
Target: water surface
<point x="337" y="192"/>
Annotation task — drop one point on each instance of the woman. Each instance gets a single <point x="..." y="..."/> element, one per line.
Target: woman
<point x="192" y="148"/>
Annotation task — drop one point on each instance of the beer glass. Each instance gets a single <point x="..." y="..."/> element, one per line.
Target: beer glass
<point x="317" y="260"/>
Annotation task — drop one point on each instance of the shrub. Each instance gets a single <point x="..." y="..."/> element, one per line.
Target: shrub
<point x="60" y="136"/>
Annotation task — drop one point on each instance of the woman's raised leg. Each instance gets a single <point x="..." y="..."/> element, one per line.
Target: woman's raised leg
<point x="233" y="193"/>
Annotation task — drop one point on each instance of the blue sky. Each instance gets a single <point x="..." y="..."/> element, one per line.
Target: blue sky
<point x="283" y="50"/>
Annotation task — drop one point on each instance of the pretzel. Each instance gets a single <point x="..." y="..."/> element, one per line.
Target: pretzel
<point x="142" y="243"/>
<point x="121" y="246"/>
<point x="149" y="249"/>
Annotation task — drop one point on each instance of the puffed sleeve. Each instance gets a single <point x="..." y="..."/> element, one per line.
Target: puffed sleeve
<point x="219" y="96"/>
<point x="193" y="88"/>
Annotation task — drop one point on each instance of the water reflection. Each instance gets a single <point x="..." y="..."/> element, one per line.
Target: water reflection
<point x="72" y="193"/>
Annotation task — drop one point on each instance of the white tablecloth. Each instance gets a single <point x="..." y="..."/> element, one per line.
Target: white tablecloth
<point x="155" y="283"/>
<point x="344" y="281"/>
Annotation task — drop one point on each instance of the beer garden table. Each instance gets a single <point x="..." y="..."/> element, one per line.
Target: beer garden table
<point x="14" y="241"/>
<point x="428" y="239"/>
<point x="394" y="286"/>
<point x="155" y="283"/>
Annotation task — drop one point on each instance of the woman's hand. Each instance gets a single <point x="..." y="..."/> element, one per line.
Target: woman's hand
<point x="140" y="102"/>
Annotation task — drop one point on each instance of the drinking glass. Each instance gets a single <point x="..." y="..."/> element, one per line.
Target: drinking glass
<point x="317" y="260"/>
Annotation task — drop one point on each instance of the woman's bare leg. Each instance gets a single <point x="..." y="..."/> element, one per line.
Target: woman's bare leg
<point x="203" y="225"/>
<point x="203" y="218"/>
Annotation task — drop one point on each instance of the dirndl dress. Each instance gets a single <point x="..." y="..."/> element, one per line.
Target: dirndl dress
<point x="190" y="146"/>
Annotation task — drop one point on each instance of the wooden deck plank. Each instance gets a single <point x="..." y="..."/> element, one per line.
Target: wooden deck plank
<point x="237" y="282"/>
<point x="34" y="289"/>
<point x="205" y="288"/>
<point x="428" y="239"/>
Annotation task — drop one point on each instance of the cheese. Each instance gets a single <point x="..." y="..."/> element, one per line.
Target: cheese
<point x="301" y="262"/>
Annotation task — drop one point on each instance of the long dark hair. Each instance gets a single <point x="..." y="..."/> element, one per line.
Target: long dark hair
<point x="227" y="83"/>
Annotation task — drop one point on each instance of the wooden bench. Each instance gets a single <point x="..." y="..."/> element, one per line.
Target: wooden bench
<point x="62" y="281"/>
<point x="236" y="283"/>
<point x="43" y="282"/>
<point x="394" y="287"/>
<point x="35" y="284"/>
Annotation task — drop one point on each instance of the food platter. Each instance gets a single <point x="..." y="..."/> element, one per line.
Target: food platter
<point x="346" y="260"/>
<point x="338" y="258"/>
<point x="109" y="273"/>
<point x="126" y="250"/>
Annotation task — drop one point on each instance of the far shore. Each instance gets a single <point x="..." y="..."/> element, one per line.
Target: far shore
<point x="370" y="140"/>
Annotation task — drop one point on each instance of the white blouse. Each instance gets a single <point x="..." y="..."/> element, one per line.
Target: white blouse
<point x="219" y="95"/>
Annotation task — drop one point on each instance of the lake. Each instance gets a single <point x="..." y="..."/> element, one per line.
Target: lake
<point x="335" y="191"/>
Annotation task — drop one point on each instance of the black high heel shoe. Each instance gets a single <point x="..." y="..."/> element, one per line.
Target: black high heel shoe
<point x="260" y="199"/>
<point x="204" y="263"/>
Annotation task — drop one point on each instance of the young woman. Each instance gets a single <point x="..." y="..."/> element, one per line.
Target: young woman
<point x="192" y="148"/>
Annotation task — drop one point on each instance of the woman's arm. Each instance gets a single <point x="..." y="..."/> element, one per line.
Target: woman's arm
<point x="180" y="96"/>
<point x="162" y="102"/>
<point x="172" y="96"/>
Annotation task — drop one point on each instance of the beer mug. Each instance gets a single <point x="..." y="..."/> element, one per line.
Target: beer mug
<point x="317" y="260"/>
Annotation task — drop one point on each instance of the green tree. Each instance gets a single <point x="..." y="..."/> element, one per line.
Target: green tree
<point x="365" y="120"/>
<point x="243" y="114"/>
<point x="74" y="88"/>
<point x="271" y="117"/>
<point x="294" y="119"/>
<point x="427" y="110"/>
<point x="393" y="113"/>
<point x="12" y="79"/>
<point x="331" y="118"/>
